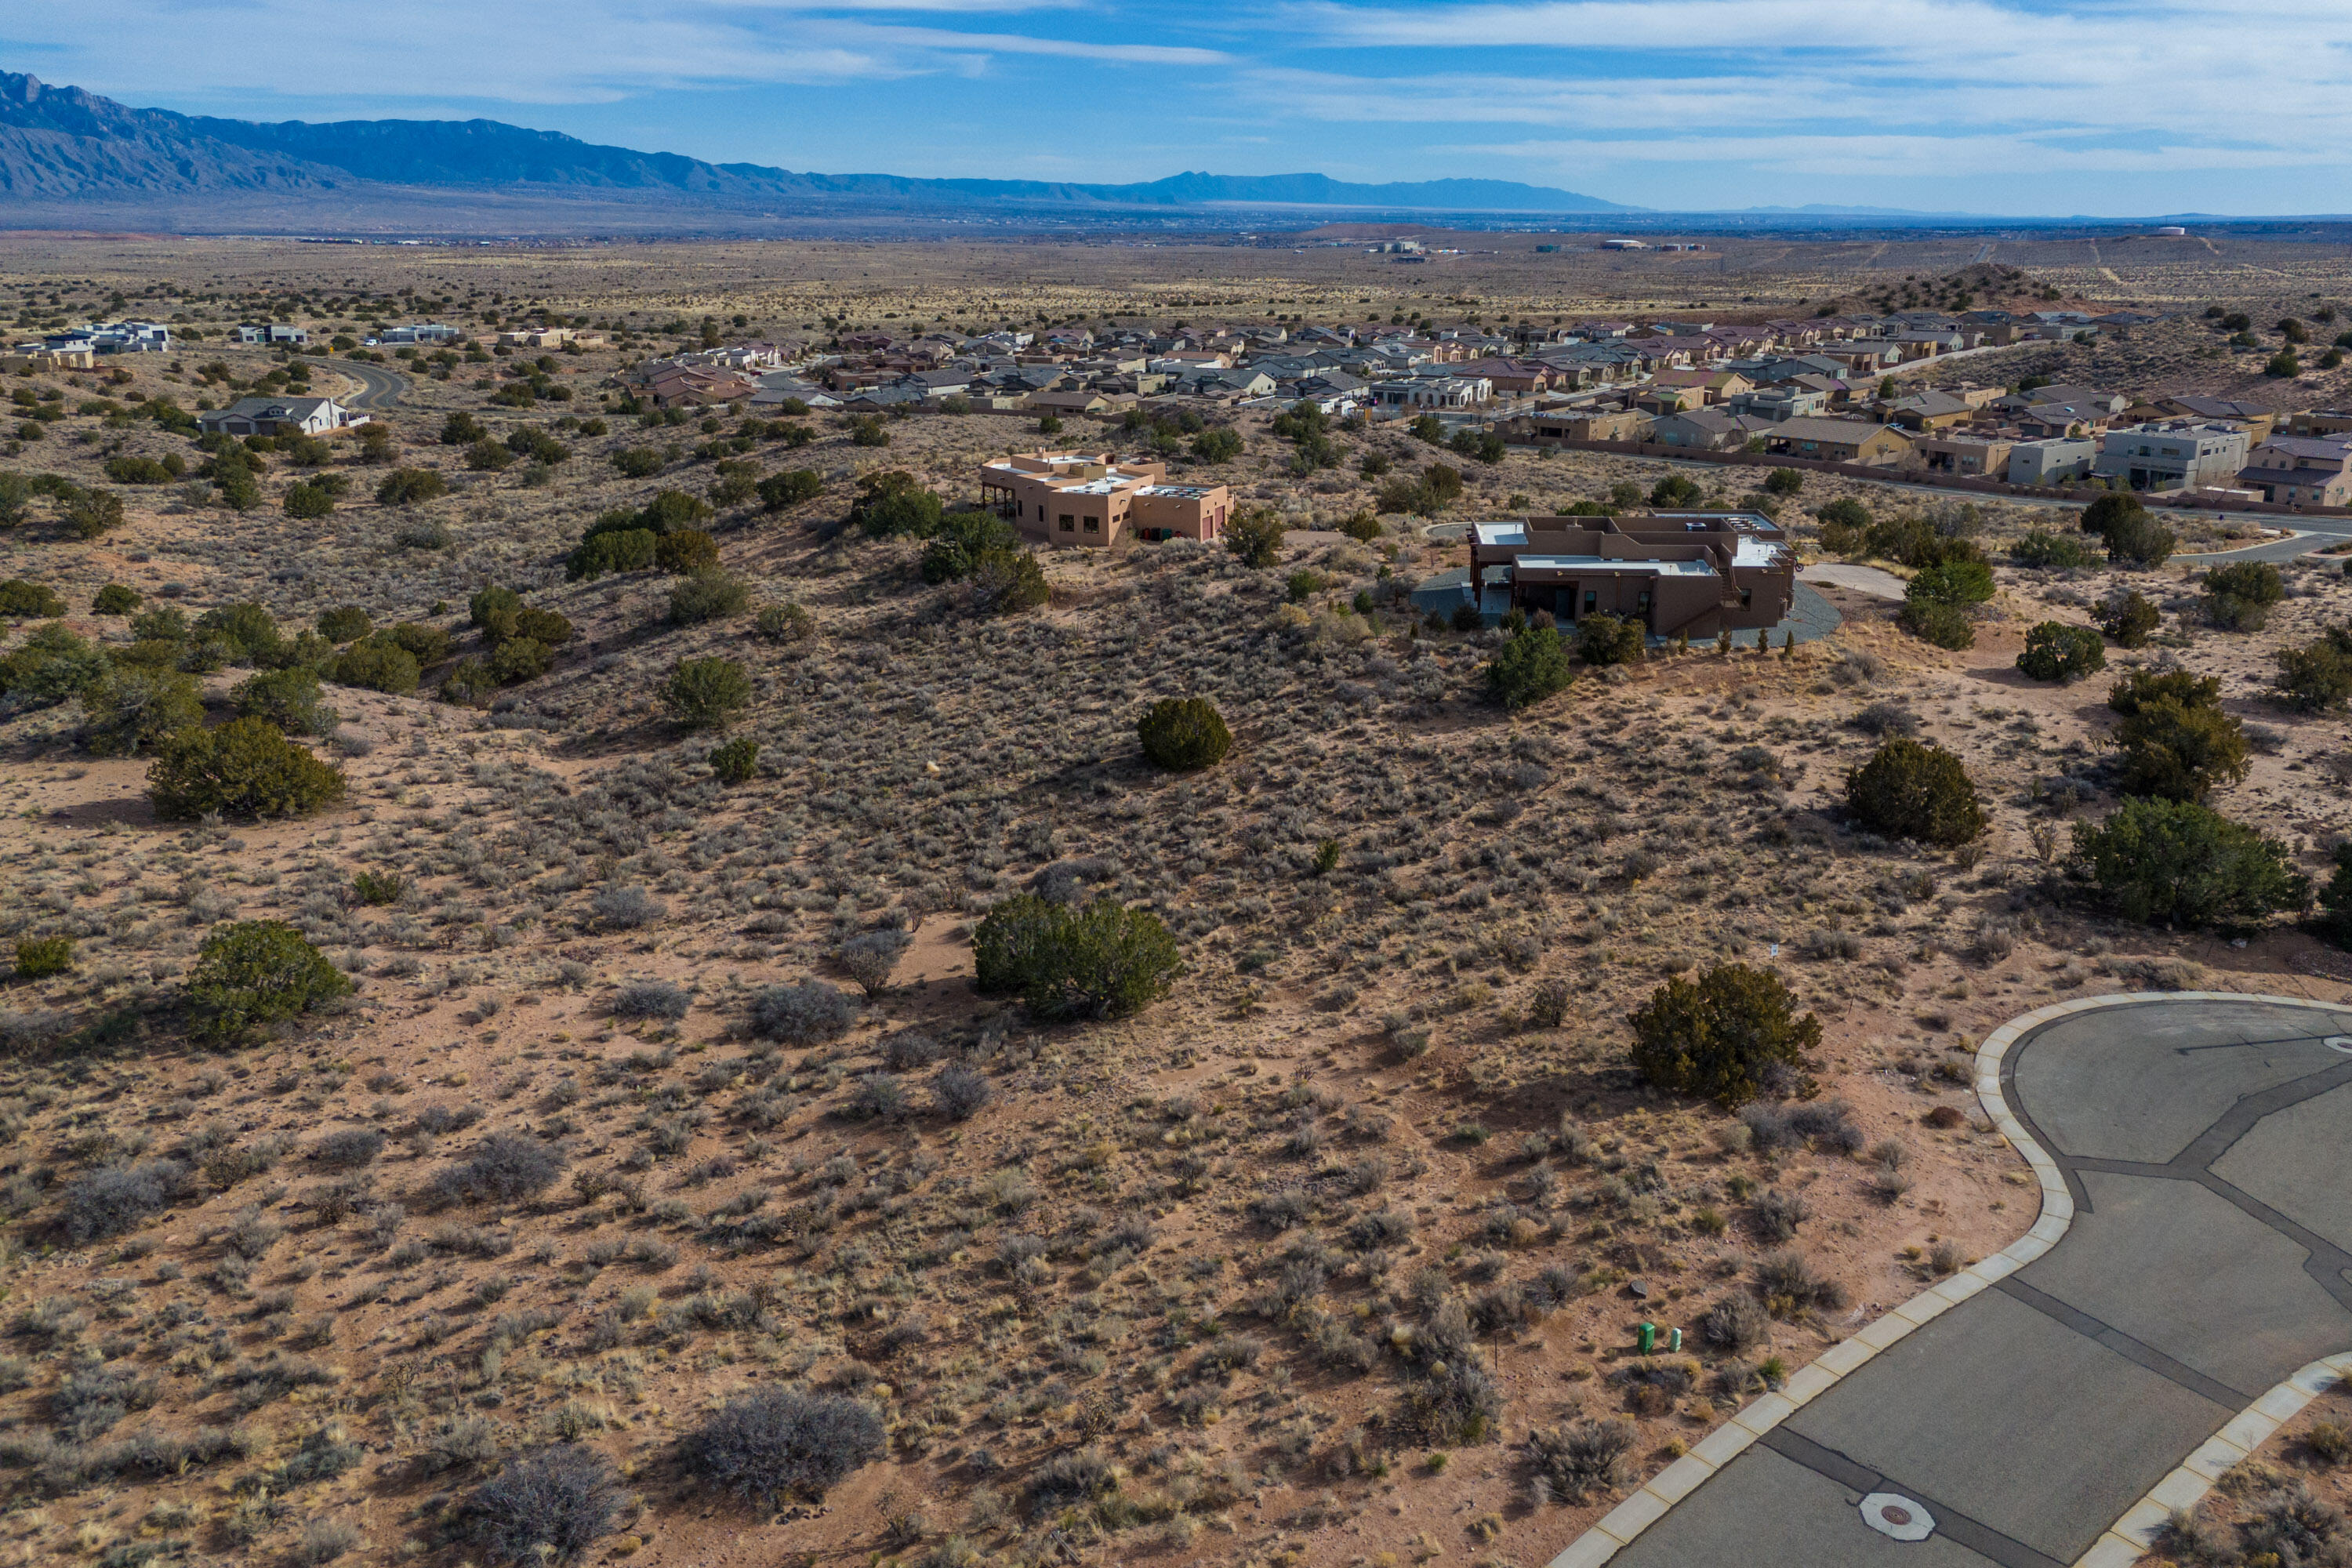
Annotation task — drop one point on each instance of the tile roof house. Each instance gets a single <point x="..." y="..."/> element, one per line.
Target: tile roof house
<point x="2305" y="470"/>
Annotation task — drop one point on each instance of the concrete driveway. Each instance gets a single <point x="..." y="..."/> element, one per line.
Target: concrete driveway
<point x="2208" y="1257"/>
<point x="1876" y="581"/>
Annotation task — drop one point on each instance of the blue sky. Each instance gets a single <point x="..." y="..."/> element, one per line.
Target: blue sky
<point x="1997" y="106"/>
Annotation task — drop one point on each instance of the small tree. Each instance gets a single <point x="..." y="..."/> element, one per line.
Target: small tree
<point x="2129" y="618"/>
<point x="1605" y="639"/>
<point x="1784" y="481"/>
<point x="1099" y="961"/>
<point x="377" y="664"/>
<point x="707" y="595"/>
<point x="245" y="768"/>
<point x="287" y="698"/>
<point x="2174" y="862"/>
<point x="1530" y="667"/>
<point x="134" y="710"/>
<point x="1185" y="733"/>
<point x="2057" y="651"/>
<point x="2239" y="596"/>
<point x="29" y="601"/>
<point x="1216" y="446"/>
<point x="1675" y="490"/>
<point x="1719" y="1038"/>
<point x="2138" y="541"/>
<point x="1255" y="537"/>
<point x="706" y="693"/>
<point x="1907" y="790"/>
<point x="344" y="623"/>
<point x="2317" y="677"/>
<point x="2335" y="900"/>
<point x="2104" y="514"/>
<point x="2177" y="743"/>
<point x="406" y="487"/>
<point x="735" y="762"/>
<point x="255" y="973"/>
<point x="114" y="599"/>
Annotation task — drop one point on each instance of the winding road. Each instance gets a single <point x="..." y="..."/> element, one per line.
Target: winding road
<point x="2193" y="1255"/>
<point x="379" y="389"/>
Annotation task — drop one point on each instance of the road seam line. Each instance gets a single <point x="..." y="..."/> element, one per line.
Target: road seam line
<point x="1618" y="1527"/>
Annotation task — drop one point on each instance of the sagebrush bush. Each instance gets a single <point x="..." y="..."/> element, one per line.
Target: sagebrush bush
<point x="505" y="1167"/>
<point x="1182" y="733"/>
<point x="869" y="957"/>
<point x="347" y="1148"/>
<point x="553" y="1506"/>
<point x="246" y="768"/>
<point x="1735" y="1324"/>
<point x="1719" y="1037"/>
<point x="1908" y="790"/>
<point x="959" y="1091"/>
<point x="1103" y="961"/>
<point x="808" y="1014"/>
<point x="109" y="1201"/>
<point x="1573" y="1462"/>
<point x="651" y="999"/>
<point x="256" y="972"/>
<point x="778" y="1443"/>
<point x="624" y="906"/>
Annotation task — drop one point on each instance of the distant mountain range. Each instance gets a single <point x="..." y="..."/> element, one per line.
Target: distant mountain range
<point x="66" y="146"/>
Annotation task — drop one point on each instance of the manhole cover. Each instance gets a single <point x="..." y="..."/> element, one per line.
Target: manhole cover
<point x="2339" y="1043"/>
<point x="1897" y="1516"/>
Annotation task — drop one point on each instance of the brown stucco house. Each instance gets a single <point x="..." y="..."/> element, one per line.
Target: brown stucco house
<point x="1089" y="499"/>
<point x="1676" y="573"/>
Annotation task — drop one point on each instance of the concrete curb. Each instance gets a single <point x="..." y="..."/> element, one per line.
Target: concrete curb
<point x="1618" y="1527"/>
<point x="2133" y="1536"/>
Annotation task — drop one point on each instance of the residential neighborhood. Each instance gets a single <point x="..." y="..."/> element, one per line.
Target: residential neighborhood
<point x="1845" y="389"/>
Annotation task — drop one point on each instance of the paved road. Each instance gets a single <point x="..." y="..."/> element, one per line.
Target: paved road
<point x="380" y="388"/>
<point x="2208" y="1258"/>
<point x="2311" y="534"/>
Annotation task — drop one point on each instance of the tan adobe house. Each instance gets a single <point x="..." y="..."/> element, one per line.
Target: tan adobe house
<point x="1090" y="499"/>
<point x="1839" y="441"/>
<point x="1676" y="573"/>
<point x="1975" y="456"/>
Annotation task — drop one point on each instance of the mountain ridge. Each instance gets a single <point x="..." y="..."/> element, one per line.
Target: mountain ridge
<point x="69" y="143"/>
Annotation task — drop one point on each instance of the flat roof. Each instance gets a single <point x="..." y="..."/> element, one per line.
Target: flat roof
<point x="1603" y="564"/>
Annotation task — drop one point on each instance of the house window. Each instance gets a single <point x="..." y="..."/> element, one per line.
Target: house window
<point x="1642" y="603"/>
<point x="1591" y="600"/>
<point x="1069" y="523"/>
<point x="1094" y="525"/>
